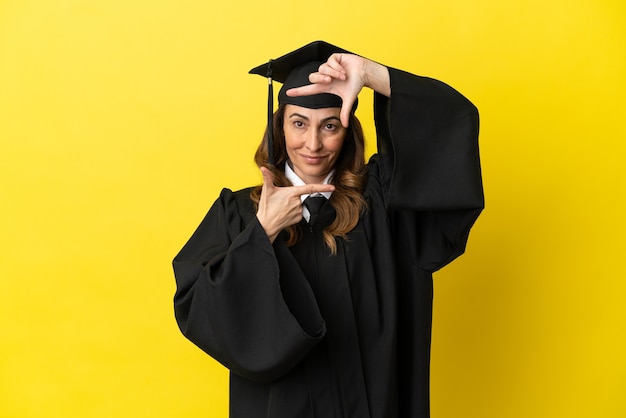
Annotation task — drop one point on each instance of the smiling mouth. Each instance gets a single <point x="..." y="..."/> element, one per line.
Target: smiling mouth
<point x="312" y="159"/>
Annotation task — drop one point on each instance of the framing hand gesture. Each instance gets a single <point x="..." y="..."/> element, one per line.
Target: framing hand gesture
<point x="280" y="207"/>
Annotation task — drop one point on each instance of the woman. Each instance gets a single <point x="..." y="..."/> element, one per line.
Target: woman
<point x="326" y="312"/>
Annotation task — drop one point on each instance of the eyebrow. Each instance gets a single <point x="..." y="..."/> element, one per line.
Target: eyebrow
<point x="306" y="118"/>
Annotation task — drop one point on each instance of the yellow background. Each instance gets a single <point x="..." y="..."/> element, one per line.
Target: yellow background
<point x="120" y="121"/>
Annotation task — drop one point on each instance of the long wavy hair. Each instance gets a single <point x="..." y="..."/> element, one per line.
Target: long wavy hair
<point x="349" y="178"/>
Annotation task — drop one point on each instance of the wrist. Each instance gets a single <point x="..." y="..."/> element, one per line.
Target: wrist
<point x="376" y="77"/>
<point x="270" y="231"/>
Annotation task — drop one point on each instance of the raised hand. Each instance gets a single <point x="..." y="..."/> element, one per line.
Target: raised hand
<point x="280" y="207"/>
<point x="345" y="75"/>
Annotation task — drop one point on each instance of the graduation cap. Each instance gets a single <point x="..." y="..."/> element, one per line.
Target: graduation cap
<point x="293" y="70"/>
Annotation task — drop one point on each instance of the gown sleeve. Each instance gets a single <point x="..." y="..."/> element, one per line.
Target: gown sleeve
<point x="233" y="300"/>
<point x="428" y="166"/>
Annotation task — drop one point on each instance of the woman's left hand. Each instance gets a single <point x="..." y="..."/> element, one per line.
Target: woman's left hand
<point x="345" y="75"/>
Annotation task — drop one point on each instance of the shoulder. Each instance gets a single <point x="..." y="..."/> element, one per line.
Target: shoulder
<point x="238" y="201"/>
<point x="238" y="195"/>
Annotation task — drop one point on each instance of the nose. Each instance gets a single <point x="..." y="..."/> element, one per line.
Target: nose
<point x="313" y="140"/>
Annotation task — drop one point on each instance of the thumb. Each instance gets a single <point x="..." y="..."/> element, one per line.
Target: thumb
<point x="268" y="178"/>
<point x="346" y="109"/>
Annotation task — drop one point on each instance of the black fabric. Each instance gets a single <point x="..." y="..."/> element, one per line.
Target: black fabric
<point x="308" y="334"/>
<point x="282" y="67"/>
<point x="314" y="205"/>
<point x="300" y="77"/>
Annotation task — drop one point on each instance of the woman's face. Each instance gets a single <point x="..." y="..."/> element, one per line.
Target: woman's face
<point x="313" y="138"/>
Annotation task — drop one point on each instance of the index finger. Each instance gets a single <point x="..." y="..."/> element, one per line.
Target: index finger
<point x="308" y="90"/>
<point x="312" y="188"/>
<point x="346" y="110"/>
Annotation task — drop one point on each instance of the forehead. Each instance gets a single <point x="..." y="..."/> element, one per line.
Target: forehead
<point x="323" y="113"/>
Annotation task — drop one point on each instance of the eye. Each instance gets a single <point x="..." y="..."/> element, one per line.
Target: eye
<point x="298" y="124"/>
<point x="330" y="127"/>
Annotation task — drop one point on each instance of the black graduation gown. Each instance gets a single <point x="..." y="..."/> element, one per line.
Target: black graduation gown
<point x="309" y="335"/>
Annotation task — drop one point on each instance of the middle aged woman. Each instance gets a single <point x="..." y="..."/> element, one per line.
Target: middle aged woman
<point x="323" y="309"/>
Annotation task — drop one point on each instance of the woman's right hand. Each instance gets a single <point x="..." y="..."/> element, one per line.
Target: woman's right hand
<point x="280" y="207"/>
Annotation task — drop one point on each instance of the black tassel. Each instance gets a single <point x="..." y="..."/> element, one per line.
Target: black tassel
<point x="270" y="114"/>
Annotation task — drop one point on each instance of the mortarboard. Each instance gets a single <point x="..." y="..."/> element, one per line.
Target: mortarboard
<point x="293" y="70"/>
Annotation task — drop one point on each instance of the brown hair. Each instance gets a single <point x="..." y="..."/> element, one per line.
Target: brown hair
<point x="349" y="178"/>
